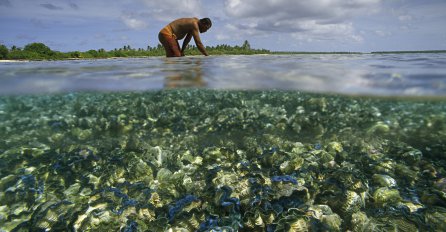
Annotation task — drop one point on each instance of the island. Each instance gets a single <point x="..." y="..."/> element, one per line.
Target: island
<point x="40" y="51"/>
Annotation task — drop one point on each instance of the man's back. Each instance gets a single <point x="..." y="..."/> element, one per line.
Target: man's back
<point x="182" y="27"/>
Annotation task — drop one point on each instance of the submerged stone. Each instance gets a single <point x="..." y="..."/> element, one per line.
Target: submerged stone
<point x="204" y="160"/>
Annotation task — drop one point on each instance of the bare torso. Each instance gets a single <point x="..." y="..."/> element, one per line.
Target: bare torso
<point x="182" y="27"/>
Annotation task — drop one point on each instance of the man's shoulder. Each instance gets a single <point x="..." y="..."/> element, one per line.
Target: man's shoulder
<point x="193" y="20"/>
<point x="188" y="19"/>
<point x="186" y="23"/>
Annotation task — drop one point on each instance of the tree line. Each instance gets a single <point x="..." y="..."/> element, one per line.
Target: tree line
<point x="40" y="51"/>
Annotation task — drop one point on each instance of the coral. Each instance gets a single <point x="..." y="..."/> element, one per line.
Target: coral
<point x="205" y="160"/>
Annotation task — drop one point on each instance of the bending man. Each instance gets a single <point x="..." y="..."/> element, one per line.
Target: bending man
<point x="183" y="28"/>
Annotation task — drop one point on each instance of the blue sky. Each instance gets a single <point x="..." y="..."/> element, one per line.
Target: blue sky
<point x="279" y="25"/>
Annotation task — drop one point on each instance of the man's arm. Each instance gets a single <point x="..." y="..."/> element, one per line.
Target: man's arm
<point x="185" y="43"/>
<point x="198" y="43"/>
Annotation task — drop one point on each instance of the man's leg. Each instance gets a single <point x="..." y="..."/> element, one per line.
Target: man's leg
<point x="174" y="47"/>
<point x="170" y="45"/>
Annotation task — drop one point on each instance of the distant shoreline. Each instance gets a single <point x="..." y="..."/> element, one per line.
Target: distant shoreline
<point x="375" y="52"/>
<point x="9" y="60"/>
<point x="223" y="54"/>
<point x="39" y="51"/>
<point x="403" y="52"/>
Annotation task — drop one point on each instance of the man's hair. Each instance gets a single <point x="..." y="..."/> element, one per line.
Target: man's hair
<point x="206" y="21"/>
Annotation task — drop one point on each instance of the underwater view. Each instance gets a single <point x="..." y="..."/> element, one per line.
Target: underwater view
<point x="225" y="143"/>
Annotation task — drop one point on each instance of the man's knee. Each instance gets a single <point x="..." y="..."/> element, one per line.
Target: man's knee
<point x="172" y="52"/>
<point x="176" y="53"/>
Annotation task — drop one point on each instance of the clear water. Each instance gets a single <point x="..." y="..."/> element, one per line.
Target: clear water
<point x="366" y="74"/>
<point x="225" y="143"/>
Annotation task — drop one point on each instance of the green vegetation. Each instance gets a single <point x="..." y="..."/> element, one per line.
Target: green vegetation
<point x="3" y="52"/>
<point x="39" y="51"/>
<point x="39" y="48"/>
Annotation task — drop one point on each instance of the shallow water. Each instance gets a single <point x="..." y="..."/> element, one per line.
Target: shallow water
<point x="202" y="159"/>
<point x="364" y="74"/>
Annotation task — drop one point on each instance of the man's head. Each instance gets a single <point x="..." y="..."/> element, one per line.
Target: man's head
<point x="204" y="24"/>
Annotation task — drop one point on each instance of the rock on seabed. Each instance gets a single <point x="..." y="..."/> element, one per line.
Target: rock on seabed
<point x="200" y="160"/>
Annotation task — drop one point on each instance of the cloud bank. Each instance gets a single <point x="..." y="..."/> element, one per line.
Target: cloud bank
<point x="305" y="19"/>
<point x="132" y="21"/>
<point x="167" y="10"/>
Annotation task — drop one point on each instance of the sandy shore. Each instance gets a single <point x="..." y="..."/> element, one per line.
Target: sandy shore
<point x="11" y="61"/>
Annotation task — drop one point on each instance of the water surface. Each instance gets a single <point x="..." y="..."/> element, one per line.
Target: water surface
<point x="362" y="74"/>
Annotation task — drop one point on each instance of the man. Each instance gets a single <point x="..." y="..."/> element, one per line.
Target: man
<point x="183" y="28"/>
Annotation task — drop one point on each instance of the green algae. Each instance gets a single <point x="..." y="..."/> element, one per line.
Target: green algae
<point x="108" y="161"/>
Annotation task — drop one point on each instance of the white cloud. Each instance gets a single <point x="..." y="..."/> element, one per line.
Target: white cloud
<point x="132" y="22"/>
<point x="382" y="33"/>
<point x="405" y="18"/>
<point x="306" y="19"/>
<point x="329" y="10"/>
<point x="221" y="37"/>
<point x="167" y="10"/>
<point x="343" y="31"/>
<point x="232" y="32"/>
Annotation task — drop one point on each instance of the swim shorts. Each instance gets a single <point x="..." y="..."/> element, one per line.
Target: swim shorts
<point x="169" y="42"/>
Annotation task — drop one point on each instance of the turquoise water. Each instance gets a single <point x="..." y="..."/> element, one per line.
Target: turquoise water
<point x="249" y="143"/>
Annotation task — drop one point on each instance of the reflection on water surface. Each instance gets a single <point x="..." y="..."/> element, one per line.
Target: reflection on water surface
<point x="365" y="74"/>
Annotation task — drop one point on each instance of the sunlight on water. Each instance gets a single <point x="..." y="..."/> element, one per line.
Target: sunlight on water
<point x="364" y="74"/>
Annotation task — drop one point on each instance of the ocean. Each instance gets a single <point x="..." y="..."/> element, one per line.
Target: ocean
<point x="322" y="142"/>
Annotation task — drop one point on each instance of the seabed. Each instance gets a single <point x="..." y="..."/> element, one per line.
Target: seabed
<point x="207" y="160"/>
